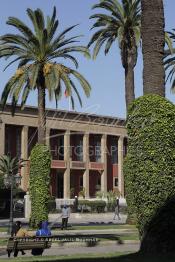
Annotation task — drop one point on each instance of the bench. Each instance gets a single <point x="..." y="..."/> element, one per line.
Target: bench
<point x="27" y="243"/>
<point x="39" y="242"/>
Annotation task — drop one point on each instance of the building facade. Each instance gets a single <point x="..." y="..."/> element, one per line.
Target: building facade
<point x="87" y="150"/>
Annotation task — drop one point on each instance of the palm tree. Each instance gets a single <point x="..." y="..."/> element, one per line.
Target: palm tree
<point x="37" y="51"/>
<point x="10" y="166"/>
<point x="122" y="23"/>
<point x="153" y="41"/>
<point x="170" y="62"/>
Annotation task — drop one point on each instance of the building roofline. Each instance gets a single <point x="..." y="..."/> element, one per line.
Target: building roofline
<point x="120" y="121"/>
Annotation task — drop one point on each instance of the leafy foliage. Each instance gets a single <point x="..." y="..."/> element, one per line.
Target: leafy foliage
<point x="9" y="166"/>
<point x="170" y="62"/>
<point x="149" y="165"/>
<point x="40" y="160"/>
<point x="95" y="206"/>
<point x="122" y="22"/>
<point x="37" y="52"/>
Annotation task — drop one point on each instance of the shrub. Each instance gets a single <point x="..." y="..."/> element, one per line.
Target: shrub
<point x="149" y="167"/>
<point x="40" y="161"/>
<point x="95" y="206"/>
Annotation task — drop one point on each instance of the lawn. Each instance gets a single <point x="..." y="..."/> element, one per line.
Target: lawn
<point x="113" y="257"/>
<point x="101" y="227"/>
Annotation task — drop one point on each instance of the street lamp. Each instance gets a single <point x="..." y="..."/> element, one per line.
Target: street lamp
<point x="10" y="181"/>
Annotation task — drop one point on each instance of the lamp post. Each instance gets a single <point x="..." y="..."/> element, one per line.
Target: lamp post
<point x="9" y="181"/>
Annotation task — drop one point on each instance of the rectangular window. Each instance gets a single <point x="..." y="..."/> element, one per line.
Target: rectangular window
<point x="115" y="182"/>
<point x="81" y="182"/>
<point x="79" y="150"/>
<point x="98" y="152"/>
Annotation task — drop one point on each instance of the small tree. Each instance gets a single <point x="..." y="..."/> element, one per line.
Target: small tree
<point x="39" y="183"/>
<point x="149" y="171"/>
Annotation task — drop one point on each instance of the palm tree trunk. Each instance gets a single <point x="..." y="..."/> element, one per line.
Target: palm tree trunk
<point x="129" y="85"/>
<point x="153" y="41"/>
<point x="41" y="115"/>
<point x="129" y="59"/>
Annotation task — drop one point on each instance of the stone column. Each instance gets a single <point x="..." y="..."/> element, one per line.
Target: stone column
<point x="48" y="136"/>
<point x="27" y="201"/>
<point x="2" y="139"/>
<point x="67" y="159"/>
<point x="120" y="166"/>
<point x="24" y="155"/>
<point x="86" y="161"/>
<point x="104" y="161"/>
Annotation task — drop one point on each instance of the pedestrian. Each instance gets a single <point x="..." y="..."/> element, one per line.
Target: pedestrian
<point x="117" y="209"/>
<point x="43" y="231"/>
<point x="65" y="216"/>
<point x="21" y="232"/>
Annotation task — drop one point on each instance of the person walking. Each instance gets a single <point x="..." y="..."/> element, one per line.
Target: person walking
<point x="65" y="216"/>
<point x="117" y="209"/>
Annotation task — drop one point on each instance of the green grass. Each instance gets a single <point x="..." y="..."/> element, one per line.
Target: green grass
<point x="112" y="257"/>
<point x="3" y="229"/>
<point x="101" y="227"/>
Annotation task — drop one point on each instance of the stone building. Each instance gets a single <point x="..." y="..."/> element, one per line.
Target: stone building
<point x="87" y="150"/>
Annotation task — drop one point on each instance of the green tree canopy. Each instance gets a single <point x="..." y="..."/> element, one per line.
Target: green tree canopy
<point x="120" y="22"/>
<point x="40" y="53"/>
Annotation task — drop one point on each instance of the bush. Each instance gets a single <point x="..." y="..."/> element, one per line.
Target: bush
<point x="97" y="206"/>
<point x="40" y="161"/>
<point x="94" y="206"/>
<point x="149" y="167"/>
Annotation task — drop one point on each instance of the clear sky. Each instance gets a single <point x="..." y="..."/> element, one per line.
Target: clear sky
<point x="105" y="74"/>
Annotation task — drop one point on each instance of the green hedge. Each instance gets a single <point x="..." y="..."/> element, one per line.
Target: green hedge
<point x="40" y="161"/>
<point x="95" y="206"/>
<point x="149" y="167"/>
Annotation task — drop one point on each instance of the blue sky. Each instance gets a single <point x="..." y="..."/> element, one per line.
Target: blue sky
<point x="105" y="74"/>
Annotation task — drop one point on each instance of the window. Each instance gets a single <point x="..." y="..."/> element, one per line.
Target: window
<point x="114" y="154"/>
<point x="115" y="182"/>
<point x="81" y="182"/>
<point x="79" y="150"/>
<point x="61" y="148"/>
<point x="98" y="152"/>
<point x="98" y="183"/>
<point x="114" y="150"/>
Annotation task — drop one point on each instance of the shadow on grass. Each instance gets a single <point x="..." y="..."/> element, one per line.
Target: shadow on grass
<point x="134" y="257"/>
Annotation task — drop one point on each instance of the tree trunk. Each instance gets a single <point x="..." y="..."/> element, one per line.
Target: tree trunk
<point x="129" y="85"/>
<point x="41" y="113"/>
<point x="153" y="41"/>
<point x="129" y="59"/>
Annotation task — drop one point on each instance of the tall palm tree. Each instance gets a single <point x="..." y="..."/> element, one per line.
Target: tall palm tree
<point x="37" y="52"/>
<point x="170" y="62"/>
<point x="122" y="22"/>
<point x="153" y="41"/>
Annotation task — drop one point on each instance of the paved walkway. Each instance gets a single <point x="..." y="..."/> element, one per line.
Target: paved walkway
<point x="78" y="219"/>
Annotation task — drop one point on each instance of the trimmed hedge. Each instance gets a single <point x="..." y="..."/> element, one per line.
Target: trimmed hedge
<point x="40" y="161"/>
<point x="95" y="206"/>
<point x="149" y="167"/>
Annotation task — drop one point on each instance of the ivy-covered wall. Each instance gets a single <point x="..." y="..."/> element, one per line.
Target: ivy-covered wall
<point x="149" y="167"/>
<point x="40" y="162"/>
